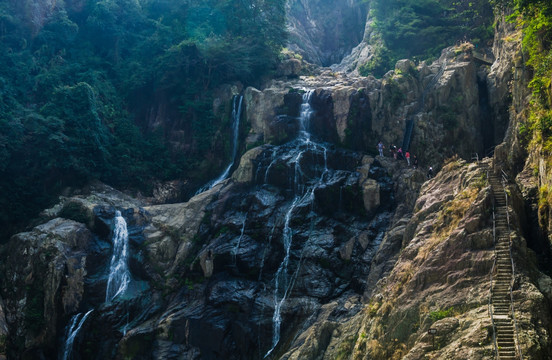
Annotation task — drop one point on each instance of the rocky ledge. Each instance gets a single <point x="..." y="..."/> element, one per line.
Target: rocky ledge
<point x="441" y="280"/>
<point x="454" y="97"/>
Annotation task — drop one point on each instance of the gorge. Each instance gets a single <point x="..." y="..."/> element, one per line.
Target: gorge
<point x="284" y="235"/>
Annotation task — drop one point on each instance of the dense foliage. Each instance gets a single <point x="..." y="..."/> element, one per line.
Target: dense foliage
<point x="76" y="78"/>
<point x="534" y="17"/>
<point x="420" y="29"/>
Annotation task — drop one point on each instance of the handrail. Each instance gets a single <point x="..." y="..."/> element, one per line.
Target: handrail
<point x="491" y="314"/>
<point x="505" y="178"/>
<point x="489" y="151"/>
<point x="491" y="287"/>
<point x="518" y="347"/>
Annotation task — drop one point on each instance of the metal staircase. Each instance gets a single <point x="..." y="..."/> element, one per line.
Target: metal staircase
<point x="502" y="278"/>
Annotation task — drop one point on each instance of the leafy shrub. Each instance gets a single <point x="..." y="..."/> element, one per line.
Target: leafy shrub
<point x="440" y="314"/>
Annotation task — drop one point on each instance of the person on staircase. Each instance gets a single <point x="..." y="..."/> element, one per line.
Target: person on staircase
<point x="430" y="173"/>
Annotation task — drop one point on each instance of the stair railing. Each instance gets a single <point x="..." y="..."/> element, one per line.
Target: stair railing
<point x="491" y="314"/>
<point x="512" y="308"/>
<point x="491" y="287"/>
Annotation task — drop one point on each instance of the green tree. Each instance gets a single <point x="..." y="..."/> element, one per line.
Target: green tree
<point x="422" y="28"/>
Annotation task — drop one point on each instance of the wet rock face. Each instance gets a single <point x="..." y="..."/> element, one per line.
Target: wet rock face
<point x="43" y="275"/>
<point x="207" y="275"/>
<point x="324" y="31"/>
<point x="445" y="101"/>
<point x="331" y="242"/>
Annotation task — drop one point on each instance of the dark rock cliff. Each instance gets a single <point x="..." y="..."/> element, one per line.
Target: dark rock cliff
<point x="323" y="31"/>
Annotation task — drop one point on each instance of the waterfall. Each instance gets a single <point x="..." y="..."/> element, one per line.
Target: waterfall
<point x="304" y="195"/>
<point x="76" y="324"/>
<point x="117" y="283"/>
<point x="119" y="275"/>
<point x="305" y="116"/>
<point x="237" y="247"/>
<point x="282" y="281"/>
<point x="236" y="114"/>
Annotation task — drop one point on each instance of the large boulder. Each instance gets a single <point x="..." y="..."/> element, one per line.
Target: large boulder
<point x="45" y="270"/>
<point x="290" y="68"/>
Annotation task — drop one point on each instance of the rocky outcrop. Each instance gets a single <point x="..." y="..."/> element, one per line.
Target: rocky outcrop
<point x="445" y="101"/>
<point x="45" y="269"/>
<point x="360" y="54"/>
<point x="441" y="281"/>
<point x="323" y="31"/>
<point x="522" y="159"/>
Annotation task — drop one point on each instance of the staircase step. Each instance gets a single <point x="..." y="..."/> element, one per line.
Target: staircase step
<point x="506" y="333"/>
<point x="507" y="346"/>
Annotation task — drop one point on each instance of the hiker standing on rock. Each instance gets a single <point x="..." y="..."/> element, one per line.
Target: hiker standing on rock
<point x="407" y="156"/>
<point x="415" y="162"/>
<point x="430" y="173"/>
<point x="380" y="148"/>
<point x="393" y="150"/>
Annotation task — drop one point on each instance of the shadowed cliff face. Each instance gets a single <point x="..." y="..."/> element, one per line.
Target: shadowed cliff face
<point x="325" y="31"/>
<point x="210" y="277"/>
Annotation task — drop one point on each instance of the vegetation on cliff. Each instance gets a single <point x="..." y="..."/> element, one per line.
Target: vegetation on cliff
<point x="421" y="29"/>
<point x="76" y="80"/>
<point x="534" y="19"/>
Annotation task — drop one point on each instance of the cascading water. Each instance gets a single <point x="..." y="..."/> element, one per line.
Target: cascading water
<point x="119" y="275"/>
<point x="236" y="114"/>
<point x="237" y="247"/>
<point x="117" y="283"/>
<point x="282" y="280"/>
<point x="304" y="195"/>
<point x="76" y="324"/>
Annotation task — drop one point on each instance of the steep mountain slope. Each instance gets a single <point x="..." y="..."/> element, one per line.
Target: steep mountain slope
<point x="314" y="248"/>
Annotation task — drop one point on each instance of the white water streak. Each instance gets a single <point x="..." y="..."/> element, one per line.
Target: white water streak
<point x="119" y="274"/>
<point x="237" y="247"/>
<point x="71" y="334"/>
<point x="236" y="114"/>
<point x="283" y="282"/>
